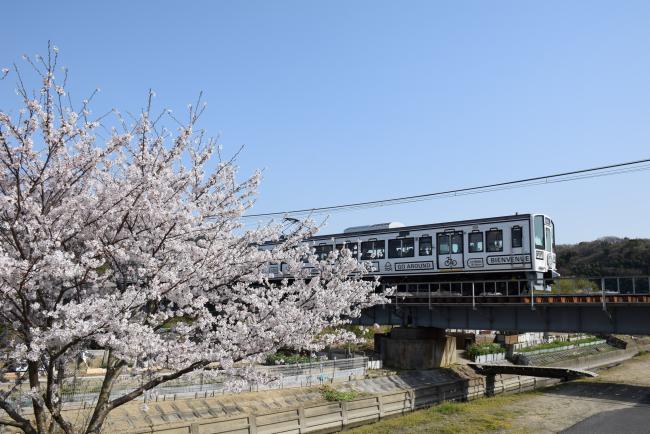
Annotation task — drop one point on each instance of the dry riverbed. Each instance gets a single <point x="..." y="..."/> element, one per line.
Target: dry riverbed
<point x="617" y="401"/>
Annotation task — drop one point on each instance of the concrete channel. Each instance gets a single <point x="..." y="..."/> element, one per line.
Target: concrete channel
<point x="380" y="398"/>
<point x="303" y="410"/>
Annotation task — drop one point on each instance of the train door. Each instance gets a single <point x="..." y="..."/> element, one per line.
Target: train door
<point x="450" y="249"/>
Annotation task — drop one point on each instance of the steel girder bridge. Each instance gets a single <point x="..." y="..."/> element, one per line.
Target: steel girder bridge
<point x="598" y="305"/>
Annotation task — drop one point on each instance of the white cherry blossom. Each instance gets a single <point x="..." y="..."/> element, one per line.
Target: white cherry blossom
<point x="129" y="238"/>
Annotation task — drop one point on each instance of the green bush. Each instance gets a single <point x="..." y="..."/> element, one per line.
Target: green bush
<point x="475" y="350"/>
<point x="331" y="394"/>
<point x="574" y="286"/>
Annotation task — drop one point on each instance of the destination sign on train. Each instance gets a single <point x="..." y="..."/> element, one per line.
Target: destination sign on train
<point x="508" y="259"/>
<point x="403" y="266"/>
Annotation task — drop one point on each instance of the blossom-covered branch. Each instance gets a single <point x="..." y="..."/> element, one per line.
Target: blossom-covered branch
<point x="133" y="243"/>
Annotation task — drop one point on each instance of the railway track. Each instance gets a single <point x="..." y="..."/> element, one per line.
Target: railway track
<point x="541" y="299"/>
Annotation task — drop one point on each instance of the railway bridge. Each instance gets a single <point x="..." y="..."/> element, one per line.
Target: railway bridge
<point x="595" y="313"/>
<point x="590" y="305"/>
<point x="599" y="305"/>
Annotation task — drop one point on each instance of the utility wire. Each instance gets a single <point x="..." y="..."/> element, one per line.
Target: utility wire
<point x="594" y="172"/>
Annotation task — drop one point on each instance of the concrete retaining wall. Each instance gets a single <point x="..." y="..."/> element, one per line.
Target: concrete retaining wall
<point x="335" y="416"/>
<point x="603" y="359"/>
<point x="597" y="360"/>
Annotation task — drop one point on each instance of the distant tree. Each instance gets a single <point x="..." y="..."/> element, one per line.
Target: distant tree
<point x="127" y="236"/>
<point x="607" y="256"/>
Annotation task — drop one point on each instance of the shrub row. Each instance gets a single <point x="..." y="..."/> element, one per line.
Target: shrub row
<point x="482" y="349"/>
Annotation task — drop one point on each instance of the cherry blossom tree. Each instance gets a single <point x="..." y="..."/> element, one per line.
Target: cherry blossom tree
<point x="126" y="234"/>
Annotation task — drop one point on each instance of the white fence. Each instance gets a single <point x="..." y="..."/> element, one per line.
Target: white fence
<point x="85" y="389"/>
<point x="494" y="357"/>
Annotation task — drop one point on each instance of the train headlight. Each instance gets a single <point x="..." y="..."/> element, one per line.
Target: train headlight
<point x="550" y="260"/>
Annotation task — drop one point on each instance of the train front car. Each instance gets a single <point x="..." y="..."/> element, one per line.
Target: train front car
<point x="511" y="248"/>
<point x="544" y="246"/>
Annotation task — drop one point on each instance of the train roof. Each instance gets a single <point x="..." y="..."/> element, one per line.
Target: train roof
<point x="422" y="227"/>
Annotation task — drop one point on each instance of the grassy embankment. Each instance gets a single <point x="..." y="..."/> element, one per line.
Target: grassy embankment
<point x="480" y="415"/>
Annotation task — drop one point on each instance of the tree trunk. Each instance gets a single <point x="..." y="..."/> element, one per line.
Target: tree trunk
<point x="39" y="410"/>
<point x="103" y="407"/>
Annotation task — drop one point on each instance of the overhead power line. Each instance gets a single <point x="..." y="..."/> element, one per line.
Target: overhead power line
<point x="594" y="172"/>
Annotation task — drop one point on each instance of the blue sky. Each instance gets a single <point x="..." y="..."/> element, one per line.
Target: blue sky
<point x="344" y="101"/>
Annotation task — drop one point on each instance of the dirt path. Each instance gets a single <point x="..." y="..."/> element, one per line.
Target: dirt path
<point x="559" y="408"/>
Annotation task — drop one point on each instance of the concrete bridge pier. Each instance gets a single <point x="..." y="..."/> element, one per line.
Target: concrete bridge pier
<point x="416" y="348"/>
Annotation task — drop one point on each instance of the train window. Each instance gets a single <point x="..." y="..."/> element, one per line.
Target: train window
<point x="323" y="251"/>
<point x="401" y="248"/>
<point x="457" y="242"/>
<point x="373" y="249"/>
<point x="549" y="239"/>
<point x="494" y="240"/>
<point x="539" y="231"/>
<point x="426" y="246"/>
<point x="352" y="247"/>
<point x="443" y="244"/>
<point x="475" y="241"/>
<point x="517" y="237"/>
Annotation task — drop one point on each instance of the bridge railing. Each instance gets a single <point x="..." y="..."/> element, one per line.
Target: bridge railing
<point x="477" y="290"/>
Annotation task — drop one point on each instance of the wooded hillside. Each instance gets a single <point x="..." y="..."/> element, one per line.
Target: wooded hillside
<point x="609" y="256"/>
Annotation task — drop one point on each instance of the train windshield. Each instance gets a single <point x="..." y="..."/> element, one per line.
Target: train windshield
<point x="539" y="231"/>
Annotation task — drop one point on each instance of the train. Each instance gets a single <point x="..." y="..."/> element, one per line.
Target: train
<point x="519" y="246"/>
